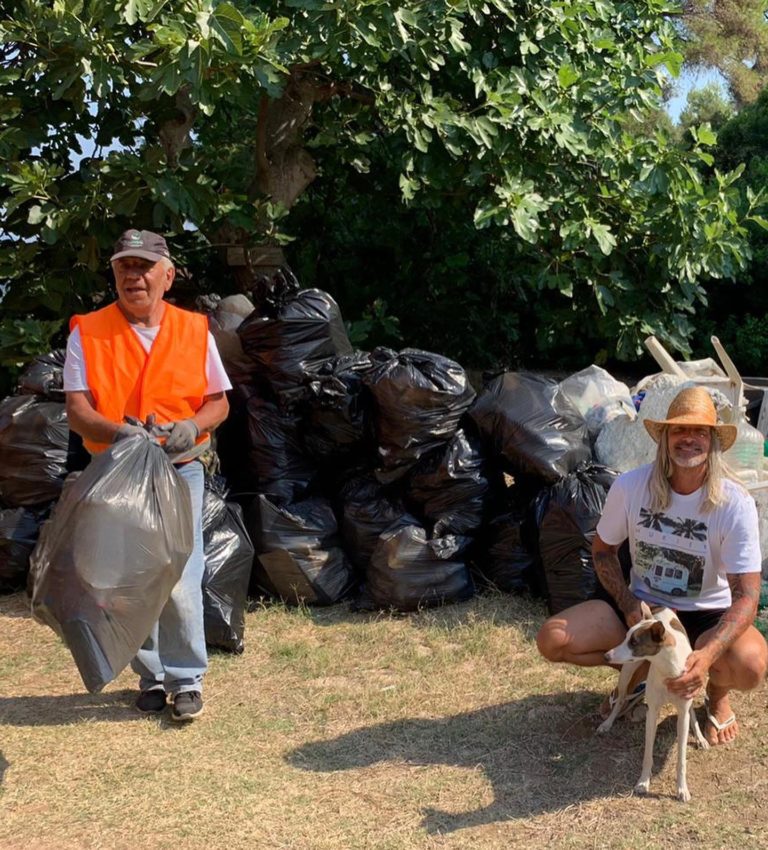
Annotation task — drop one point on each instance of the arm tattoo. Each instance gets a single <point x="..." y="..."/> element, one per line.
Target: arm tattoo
<point x="608" y="570"/>
<point x="745" y="593"/>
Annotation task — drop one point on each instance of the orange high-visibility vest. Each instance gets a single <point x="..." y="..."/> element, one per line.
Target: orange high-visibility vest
<point x="124" y="380"/>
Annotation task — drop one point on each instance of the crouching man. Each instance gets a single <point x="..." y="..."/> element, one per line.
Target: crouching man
<point x="693" y="539"/>
<point x="139" y="356"/>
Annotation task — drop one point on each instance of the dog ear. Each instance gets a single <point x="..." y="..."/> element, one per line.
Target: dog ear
<point x="657" y="632"/>
<point x="646" y="611"/>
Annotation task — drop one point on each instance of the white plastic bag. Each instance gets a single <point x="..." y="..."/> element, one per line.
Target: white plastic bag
<point x="598" y="396"/>
<point x="624" y="444"/>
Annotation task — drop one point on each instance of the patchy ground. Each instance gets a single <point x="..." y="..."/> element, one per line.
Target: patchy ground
<point x="337" y="730"/>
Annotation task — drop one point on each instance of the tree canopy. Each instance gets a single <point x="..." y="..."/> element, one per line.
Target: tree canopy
<point x="212" y="121"/>
<point x="706" y="105"/>
<point x="732" y="36"/>
<point x="740" y="323"/>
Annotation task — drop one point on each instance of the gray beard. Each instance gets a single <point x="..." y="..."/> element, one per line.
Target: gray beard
<point x="691" y="462"/>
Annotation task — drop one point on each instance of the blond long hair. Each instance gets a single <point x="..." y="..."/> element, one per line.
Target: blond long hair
<point x="717" y="471"/>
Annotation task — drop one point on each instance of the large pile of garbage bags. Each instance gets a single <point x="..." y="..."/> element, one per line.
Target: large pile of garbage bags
<point x="381" y="477"/>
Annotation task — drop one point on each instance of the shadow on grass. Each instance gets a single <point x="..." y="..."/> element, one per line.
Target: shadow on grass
<point x="68" y="709"/>
<point x="4" y="765"/>
<point x="540" y="754"/>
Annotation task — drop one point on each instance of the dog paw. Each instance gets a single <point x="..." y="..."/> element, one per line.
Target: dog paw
<point x="642" y="788"/>
<point x="684" y="795"/>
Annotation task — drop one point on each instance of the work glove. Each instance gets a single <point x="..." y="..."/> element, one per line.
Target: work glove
<point x="128" y="430"/>
<point x="181" y="436"/>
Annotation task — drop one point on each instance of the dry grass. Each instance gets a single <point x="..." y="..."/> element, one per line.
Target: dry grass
<point x="338" y="730"/>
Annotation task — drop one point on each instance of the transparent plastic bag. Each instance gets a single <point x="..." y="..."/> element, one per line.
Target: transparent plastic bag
<point x="108" y="558"/>
<point x="598" y="396"/>
<point x="623" y="443"/>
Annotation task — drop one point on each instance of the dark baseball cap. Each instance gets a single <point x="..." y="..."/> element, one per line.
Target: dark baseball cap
<point x="141" y="243"/>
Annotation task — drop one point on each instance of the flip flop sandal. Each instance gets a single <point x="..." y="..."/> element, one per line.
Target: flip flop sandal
<point x="631" y="701"/>
<point x="716" y="724"/>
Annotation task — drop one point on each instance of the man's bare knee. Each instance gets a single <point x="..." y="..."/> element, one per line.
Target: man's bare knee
<point x="744" y="673"/>
<point x="753" y="671"/>
<point x="552" y="641"/>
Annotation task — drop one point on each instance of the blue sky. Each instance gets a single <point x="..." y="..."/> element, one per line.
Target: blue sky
<point x="685" y="82"/>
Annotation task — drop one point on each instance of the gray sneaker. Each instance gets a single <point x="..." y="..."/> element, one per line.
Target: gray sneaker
<point x="187" y="706"/>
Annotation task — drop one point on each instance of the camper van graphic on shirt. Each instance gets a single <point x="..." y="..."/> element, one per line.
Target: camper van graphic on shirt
<point x="670" y="553"/>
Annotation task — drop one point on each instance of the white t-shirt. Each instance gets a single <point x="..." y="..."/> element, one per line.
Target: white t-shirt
<point x="76" y="379"/>
<point x="681" y="556"/>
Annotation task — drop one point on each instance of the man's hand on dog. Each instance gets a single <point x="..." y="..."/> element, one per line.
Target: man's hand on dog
<point x="694" y="678"/>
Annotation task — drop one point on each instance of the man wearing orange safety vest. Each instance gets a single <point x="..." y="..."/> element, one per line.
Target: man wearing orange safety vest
<point x="137" y="358"/>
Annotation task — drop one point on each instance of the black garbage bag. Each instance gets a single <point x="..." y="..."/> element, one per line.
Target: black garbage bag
<point x="233" y="439"/>
<point x="369" y="508"/>
<point x="271" y="291"/>
<point x="19" y="529"/>
<point x="337" y="411"/>
<point x="276" y="459"/>
<point x="34" y="440"/>
<point x="419" y="398"/>
<point x="214" y="502"/>
<point x="449" y="487"/>
<point x="45" y="376"/>
<point x="569" y="512"/>
<point x="228" y="560"/>
<point x="508" y="559"/>
<point x="298" y="556"/>
<point x="409" y="571"/>
<point x="110" y="555"/>
<point x="303" y="333"/>
<point x="532" y="425"/>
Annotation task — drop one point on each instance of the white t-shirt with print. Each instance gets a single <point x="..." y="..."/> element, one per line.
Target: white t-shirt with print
<point x="681" y="556"/>
<point x="76" y="378"/>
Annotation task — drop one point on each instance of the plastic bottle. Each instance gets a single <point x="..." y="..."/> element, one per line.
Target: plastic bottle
<point x="746" y="454"/>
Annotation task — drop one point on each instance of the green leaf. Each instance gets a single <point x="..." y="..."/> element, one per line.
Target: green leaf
<point x="759" y="220"/>
<point x="66" y="83"/>
<point x="706" y="136"/>
<point x="141" y="10"/>
<point x="670" y="58"/>
<point x="603" y="236"/>
<point x="35" y="215"/>
<point x="567" y="76"/>
<point x="226" y="25"/>
<point x="525" y="222"/>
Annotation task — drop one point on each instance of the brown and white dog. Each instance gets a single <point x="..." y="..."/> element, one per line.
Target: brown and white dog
<point x="660" y="639"/>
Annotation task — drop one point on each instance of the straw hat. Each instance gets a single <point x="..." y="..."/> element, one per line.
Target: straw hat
<point x="693" y="406"/>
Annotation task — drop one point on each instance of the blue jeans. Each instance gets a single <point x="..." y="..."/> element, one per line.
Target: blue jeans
<point x="173" y="657"/>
